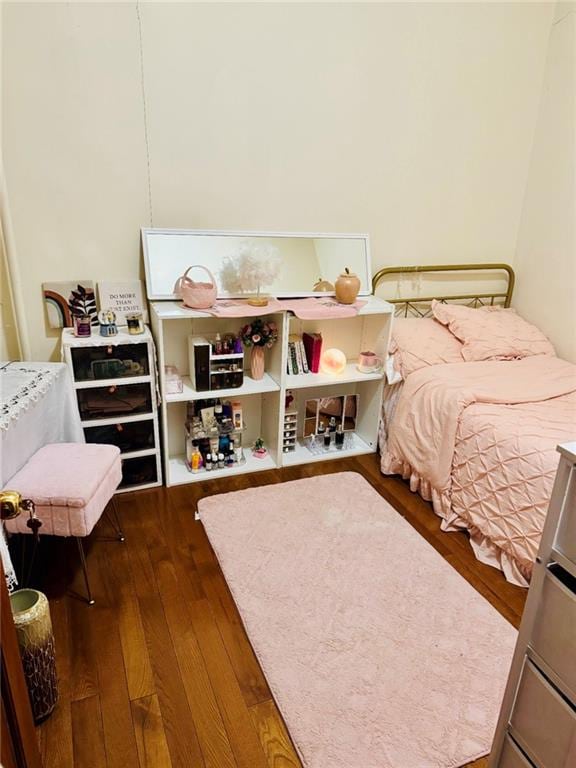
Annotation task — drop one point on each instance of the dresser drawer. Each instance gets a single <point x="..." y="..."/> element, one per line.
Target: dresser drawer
<point x="566" y="536"/>
<point x="554" y="634"/>
<point x="543" y="723"/>
<point x="128" y="436"/>
<point x="113" y="361"/>
<point x="140" y="470"/>
<point x="512" y="757"/>
<point x="110" y="402"/>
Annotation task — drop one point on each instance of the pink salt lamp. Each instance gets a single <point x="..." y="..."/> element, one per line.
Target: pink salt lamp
<point x="333" y="361"/>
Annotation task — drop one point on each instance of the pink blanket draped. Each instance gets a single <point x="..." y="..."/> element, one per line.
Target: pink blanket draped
<point x="478" y="440"/>
<point x="423" y="432"/>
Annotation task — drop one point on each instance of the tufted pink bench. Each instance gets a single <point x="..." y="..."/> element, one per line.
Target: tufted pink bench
<point x="70" y="485"/>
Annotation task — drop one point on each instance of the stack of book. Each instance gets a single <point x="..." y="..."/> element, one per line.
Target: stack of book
<point x="304" y="353"/>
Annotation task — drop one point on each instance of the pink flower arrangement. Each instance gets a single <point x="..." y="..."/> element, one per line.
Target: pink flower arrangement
<point x="259" y="333"/>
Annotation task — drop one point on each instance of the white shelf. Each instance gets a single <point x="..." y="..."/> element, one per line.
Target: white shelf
<point x="301" y="455"/>
<point x="172" y="324"/>
<point x="95" y="340"/>
<point x="175" y="310"/>
<point x="179" y="473"/>
<point x="350" y="374"/>
<point x="118" y="381"/>
<point x="249" y="387"/>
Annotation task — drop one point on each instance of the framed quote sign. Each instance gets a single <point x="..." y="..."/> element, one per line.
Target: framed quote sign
<point x="124" y="298"/>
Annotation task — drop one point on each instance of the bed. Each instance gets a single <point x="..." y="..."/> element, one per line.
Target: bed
<point x="474" y="410"/>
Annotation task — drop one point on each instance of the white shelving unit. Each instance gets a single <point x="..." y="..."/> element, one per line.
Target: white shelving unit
<point x="129" y="397"/>
<point x="263" y="401"/>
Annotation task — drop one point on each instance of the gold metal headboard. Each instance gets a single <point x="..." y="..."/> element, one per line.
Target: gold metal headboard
<point x="414" y="304"/>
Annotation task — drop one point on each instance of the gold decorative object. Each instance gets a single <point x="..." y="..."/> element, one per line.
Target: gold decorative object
<point x="323" y="286"/>
<point x="258" y="301"/>
<point x="36" y="641"/>
<point x="413" y="304"/>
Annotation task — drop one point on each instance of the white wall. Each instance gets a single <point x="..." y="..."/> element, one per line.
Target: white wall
<point x="413" y="122"/>
<point x="546" y="252"/>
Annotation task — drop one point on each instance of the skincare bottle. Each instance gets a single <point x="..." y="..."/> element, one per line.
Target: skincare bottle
<point x="195" y="462"/>
<point x="339" y="437"/>
<point x="220" y="461"/>
<point x="218" y="345"/>
<point x="332" y="425"/>
<point x="208" y="462"/>
<point x="238" y="346"/>
<point x="237" y="415"/>
<point x="327" y="440"/>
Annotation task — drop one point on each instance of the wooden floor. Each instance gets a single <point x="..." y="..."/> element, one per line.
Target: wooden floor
<point x="160" y="672"/>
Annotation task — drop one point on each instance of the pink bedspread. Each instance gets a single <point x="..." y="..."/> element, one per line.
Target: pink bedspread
<point x="478" y="440"/>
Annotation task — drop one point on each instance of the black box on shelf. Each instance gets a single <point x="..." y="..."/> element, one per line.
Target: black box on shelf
<point x="210" y="371"/>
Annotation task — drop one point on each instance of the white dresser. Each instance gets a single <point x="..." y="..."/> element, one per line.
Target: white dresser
<point x="537" y="724"/>
<point x="115" y="384"/>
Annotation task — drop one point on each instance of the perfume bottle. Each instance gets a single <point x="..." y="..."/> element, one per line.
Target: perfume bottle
<point x="332" y="424"/>
<point x="195" y="459"/>
<point x="339" y="437"/>
<point x="327" y="440"/>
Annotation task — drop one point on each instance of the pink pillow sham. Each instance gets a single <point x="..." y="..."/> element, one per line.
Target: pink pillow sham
<point x="419" y="342"/>
<point x="492" y="333"/>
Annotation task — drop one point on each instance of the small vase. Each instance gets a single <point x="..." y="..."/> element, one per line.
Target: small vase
<point x="34" y="631"/>
<point x="257" y="363"/>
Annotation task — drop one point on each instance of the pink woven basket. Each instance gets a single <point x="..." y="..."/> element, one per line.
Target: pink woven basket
<point x="196" y="295"/>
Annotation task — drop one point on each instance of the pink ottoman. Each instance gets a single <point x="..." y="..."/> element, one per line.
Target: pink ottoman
<point x="70" y="485"/>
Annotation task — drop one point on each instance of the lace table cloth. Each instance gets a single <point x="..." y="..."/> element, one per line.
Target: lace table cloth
<point x="37" y="406"/>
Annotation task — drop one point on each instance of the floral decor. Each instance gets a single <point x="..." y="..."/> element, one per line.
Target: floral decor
<point x="259" y="333"/>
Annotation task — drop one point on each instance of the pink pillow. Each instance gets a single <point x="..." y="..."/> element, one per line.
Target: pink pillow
<point x="492" y="333"/>
<point x="418" y="342"/>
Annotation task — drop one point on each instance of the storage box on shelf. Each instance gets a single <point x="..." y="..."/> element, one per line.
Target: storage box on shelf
<point x="289" y="432"/>
<point x="264" y="400"/>
<point x="537" y="724"/>
<point x="115" y="383"/>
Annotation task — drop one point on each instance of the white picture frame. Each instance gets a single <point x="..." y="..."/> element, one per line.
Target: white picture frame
<point x="124" y="297"/>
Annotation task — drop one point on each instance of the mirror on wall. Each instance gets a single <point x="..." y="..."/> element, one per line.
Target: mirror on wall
<point x="320" y="410"/>
<point x="297" y="264"/>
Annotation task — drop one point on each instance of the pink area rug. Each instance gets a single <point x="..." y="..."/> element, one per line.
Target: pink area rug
<point x="378" y="653"/>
